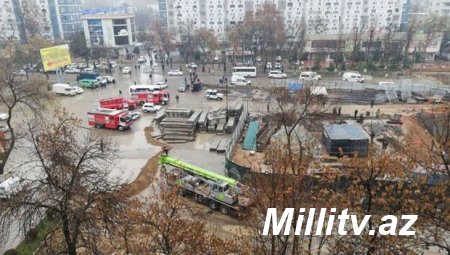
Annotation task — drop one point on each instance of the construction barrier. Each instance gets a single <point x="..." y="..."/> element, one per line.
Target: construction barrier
<point x="234" y="170"/>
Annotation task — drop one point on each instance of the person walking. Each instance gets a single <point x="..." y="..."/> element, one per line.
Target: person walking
<point x="372" y="103"/>
<point x="165" y="80"/>
<point x="177" y="97"/>
<point x="356" y="113"/>
<point x="339" y="111"/>
<point x="120" y="92"/>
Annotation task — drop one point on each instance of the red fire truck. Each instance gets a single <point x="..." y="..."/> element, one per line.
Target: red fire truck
<point x="109" y="118"/>
<point x="155" y="97"/>
<point x="117" y="103"/>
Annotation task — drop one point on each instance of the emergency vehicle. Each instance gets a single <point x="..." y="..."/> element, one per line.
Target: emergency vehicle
<point x="109" y="118"/>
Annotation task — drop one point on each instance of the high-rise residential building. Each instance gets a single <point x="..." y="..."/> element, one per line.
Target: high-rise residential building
<point x="55" y="19"/>
<point x="319" y="17"/>
<point x="8" y="25"/>
<point x="65" y="18"/>
<point x="438" y="7"/>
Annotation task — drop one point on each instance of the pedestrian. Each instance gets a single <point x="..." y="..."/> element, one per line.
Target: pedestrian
<point x="120" y="92"/>
<point x="361" y="118"/>
<point x="165" y="80"/>
<point x="187" y="85"/>
<point x="190" y="75"/>
<point x="226" y="80"/>
<point x="371" y="103"/>
<point x="135" y="67"/>
<point x="135" y="83"/>
<point x="114" y="81"/>
<point x="185" y="80"/>
<point x="181" y="69"/>
<point x="372" y="136"/>
<point x="268" y="107"/>
<point x="378" y="113"/>
<point x="356" y="113"/>
<point x="334" y="111"/>
<point x="177" y="97"/>
<point x="339" y="111"/>
<point x="165" y="150"/>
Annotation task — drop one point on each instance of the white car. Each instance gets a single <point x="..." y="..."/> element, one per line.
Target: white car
<point x="150" y="107"/>
<point x="88" y="69"/>
<point x="269" y="65"/>
<point x="20" y="72"/>
<point x="162" y="84"/>
<point x="109" y="79"/>
<point x="135" y="115"/>
<point x="310" y="76"/>
<point x="278" y="58"/>
<point x="277" y="65"/>
<point x="142" y="59"/>
<point x="102" y="80"/>
<point x="3" y="116"/>
<point x="216" y="58"/>
<point x="78" y="89"/>
<point x="4" y="128"/>
<point x="175" y="73"/>
<point x="213" y="94"/>
<point x="182" y="88"/>
<point x="258" y="59"/>
<point x="192" y="65"/>
<point x="72" y="70"/>
<point x="126" y="70"/>
<point x="277" y="74"/>
<point x="353" y="77"/>
<point x="82" y="65"/>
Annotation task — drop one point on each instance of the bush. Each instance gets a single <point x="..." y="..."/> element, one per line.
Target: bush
<point x="11" y="252"/>
<point x="32" y="234"/>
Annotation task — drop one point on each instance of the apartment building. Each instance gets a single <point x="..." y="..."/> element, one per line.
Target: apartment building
<point x="438" y="7"/>
<point x="320" y="17"/>
<point x="8" y="25"/>
<point x="65" y="16"/>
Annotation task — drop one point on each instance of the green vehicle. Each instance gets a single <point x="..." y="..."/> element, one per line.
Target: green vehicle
<point x="207" y="187"/>
<point x="88" y="83"/>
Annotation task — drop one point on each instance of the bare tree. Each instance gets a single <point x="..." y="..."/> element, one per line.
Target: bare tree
<point x="18" y="96"/>
<point x="71" y="183"/>
<point x="148" y="39"/>
<point x="207" y="42"/>
<point x="433" y="27"/>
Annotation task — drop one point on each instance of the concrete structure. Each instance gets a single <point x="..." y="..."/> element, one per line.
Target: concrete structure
<point x="113" y="28"/>
<point x="348" y="139"/>
<point x="65" y="18"/>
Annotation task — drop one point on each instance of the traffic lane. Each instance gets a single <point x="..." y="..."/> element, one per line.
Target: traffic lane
<point x="133" y="149"/>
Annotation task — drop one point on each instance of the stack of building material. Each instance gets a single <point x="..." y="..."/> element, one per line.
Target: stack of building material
<point x="180" y="125"/>
<point x="202" y="121"/>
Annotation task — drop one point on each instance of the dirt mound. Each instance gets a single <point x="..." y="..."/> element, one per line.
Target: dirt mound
<point x="148" y="172"/>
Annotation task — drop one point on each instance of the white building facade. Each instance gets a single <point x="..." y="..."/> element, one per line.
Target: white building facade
<point x="8" y="25"/>
<point x="320" y="17"/>
<point x="110" y="30"/>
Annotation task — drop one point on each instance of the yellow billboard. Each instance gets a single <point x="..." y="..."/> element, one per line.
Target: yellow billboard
<point x="55" y="57"/>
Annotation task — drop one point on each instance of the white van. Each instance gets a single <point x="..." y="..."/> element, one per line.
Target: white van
<point x="309" y="76"/>
<point x="239" y="80"/>
<point x="353" y="77"/>
<point x="63" y="89"/>
<point x="8" y="186"/>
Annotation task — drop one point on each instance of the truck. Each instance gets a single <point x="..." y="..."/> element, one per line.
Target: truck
<point x="117" y="103"/>
<point x="215" y="190"/>
<point x="88" y="79"/>
<point x="109" y="118"/>
<point x="63" y="89"/>
<point x="155" y="97"/>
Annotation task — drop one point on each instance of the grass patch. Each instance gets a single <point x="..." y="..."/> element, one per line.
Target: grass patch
<point x="27" y="246"/>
